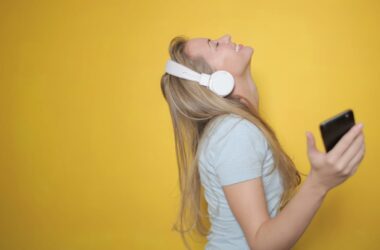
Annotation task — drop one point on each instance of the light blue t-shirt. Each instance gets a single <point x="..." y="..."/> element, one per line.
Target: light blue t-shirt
<point x="233" y="151"/>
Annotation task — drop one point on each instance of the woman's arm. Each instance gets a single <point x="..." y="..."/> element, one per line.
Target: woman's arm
<point x="292" y="221"/>
<point x="247" y="200"/>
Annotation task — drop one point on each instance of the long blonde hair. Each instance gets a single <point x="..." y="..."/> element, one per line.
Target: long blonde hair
<point x="192" y="108"/>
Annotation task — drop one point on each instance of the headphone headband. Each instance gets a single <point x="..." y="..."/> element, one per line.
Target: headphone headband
<point x="220" y="82"/>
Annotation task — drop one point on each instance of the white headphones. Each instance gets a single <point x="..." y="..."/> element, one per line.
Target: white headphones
<point x="220" y="82"/>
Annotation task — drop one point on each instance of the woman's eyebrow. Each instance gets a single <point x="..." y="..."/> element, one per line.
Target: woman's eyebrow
<point x="208" y="42"/>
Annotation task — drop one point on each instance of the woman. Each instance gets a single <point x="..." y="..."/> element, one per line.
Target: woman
<point x="226" y="149"/>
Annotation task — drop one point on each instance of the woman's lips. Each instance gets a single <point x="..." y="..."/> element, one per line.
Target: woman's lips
<point x="238" y="47"/>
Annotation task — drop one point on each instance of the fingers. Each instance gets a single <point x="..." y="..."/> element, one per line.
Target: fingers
<point x="356" y="161"/>
<point x="357" y="158"/>
<point x="345" y="142"/>
<point x="351" y="152"/>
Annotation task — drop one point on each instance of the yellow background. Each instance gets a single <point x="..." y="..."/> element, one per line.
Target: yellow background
<point x="87" y="156"/>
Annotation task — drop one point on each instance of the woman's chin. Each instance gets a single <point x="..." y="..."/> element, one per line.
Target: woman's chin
<point x="251" y="49"/>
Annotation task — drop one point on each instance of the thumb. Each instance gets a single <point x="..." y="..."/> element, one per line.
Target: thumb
<point x="311" y="143"/>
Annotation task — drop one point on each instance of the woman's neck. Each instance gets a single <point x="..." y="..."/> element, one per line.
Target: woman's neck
<point x="246" y="90"/>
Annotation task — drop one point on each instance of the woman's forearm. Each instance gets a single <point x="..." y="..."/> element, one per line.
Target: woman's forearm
<point x="283" y="231"/>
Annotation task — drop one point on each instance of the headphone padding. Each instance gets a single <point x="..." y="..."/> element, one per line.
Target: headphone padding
<point x="221" y="82"/>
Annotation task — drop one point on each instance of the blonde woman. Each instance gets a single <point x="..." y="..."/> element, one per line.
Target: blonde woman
<point x="229" y="156"/>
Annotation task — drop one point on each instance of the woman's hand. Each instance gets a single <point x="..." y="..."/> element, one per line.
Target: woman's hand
<point x="328" y="170"/>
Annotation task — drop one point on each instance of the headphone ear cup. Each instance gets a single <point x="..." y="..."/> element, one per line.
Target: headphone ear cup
<point x="221" y="82"/>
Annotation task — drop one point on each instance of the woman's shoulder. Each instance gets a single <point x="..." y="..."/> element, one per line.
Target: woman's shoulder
<point x="233" y="123"/>
<point x="230" y="127"/>
<point x="232" y="132"/>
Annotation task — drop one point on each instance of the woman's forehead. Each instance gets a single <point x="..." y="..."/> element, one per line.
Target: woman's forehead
<point x="198" y="47"/>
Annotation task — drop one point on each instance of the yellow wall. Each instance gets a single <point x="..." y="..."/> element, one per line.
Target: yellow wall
<point x="87" y="155"/>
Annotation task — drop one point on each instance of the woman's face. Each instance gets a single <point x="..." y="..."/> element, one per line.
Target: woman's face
<point x="221" y="54"/>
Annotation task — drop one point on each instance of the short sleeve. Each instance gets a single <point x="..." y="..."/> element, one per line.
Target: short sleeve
<point x="240" y="153"/>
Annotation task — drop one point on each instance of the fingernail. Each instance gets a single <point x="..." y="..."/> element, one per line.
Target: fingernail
<point x="360" y="125"/>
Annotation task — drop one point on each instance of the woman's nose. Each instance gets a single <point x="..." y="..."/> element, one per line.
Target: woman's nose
<point x="226" y="38"/>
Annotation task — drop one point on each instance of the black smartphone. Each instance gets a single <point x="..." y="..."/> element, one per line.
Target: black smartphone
<point x="334" y="128"/>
